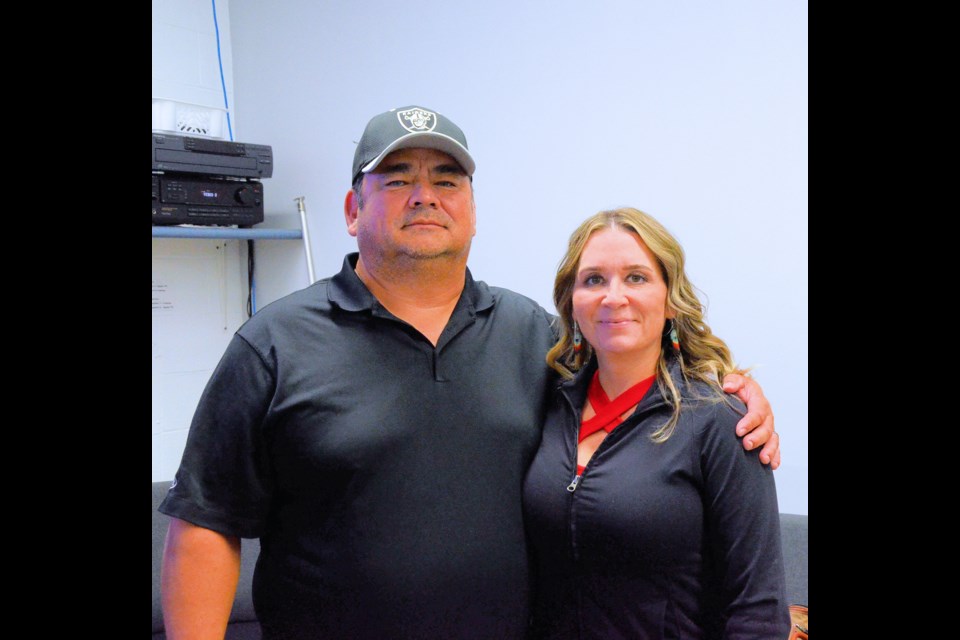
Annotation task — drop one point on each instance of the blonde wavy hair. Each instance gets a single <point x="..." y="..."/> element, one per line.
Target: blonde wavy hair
<point x="703" y="356"/>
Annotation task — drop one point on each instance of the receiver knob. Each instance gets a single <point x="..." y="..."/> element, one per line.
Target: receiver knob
<point x="243" y="195"/>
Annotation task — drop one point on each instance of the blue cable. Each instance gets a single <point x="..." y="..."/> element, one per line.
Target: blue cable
<point x="220" y="59"/>
<point x="226" y="105"/>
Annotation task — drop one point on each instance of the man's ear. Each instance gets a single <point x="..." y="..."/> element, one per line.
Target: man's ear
<point x="350" y="212"/>
<point x="473" y="216"/>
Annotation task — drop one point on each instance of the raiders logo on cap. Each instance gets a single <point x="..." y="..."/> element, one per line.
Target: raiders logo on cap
<point x="414" y="120"/>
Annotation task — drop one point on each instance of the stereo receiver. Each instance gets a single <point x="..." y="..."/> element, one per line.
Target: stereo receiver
<point x="191" y="199"/>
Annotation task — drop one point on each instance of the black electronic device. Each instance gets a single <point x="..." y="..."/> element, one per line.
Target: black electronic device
<point x="187" y="154"/>
<point x="191" y="199"/>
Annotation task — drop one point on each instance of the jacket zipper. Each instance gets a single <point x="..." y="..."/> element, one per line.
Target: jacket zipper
<point x="575" y="482"/>
<point x="576" y="476"/>
<point x="572" y="487"/>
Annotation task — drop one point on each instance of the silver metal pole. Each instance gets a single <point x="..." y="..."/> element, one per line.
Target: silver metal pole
<point x="306" y="236"/>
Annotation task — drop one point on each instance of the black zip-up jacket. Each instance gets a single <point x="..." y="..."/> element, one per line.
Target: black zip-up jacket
<point x="673" y="540"/>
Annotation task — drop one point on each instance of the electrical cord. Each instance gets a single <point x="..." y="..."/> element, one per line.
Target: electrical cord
<point x="251" y="282"/>
<point x="223" y="83"/>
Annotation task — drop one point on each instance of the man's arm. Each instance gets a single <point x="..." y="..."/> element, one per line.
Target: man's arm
<point x="198" y="581"/>
<point x="757" y="424"/>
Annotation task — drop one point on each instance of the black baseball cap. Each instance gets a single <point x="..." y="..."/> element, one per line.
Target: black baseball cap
<point x="408" y="127"/>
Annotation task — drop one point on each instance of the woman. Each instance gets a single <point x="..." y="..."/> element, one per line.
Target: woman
<point x="647" y="518"/>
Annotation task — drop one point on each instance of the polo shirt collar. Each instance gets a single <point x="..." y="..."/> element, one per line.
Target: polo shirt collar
<point x="348" y="292"/>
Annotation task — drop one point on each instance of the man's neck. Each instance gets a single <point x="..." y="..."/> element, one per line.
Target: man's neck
<point x="422" y="294"/>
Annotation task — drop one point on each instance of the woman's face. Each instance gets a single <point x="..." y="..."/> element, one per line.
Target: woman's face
<point x="620" y="297"/>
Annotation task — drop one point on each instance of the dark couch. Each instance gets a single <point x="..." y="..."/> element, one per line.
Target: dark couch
<point x="793" y="537"/>
<point x="243" y="622"/>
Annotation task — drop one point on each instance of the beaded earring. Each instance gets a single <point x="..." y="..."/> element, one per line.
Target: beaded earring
<point x="673" y="336"/>
<point x="577" y="338"/>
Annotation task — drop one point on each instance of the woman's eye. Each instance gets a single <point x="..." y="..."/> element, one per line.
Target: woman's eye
<point x="636" y="278"/>
<point x="592" y="280"/>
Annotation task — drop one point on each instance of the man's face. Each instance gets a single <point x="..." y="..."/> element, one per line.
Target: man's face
<point x="418" y="203"/>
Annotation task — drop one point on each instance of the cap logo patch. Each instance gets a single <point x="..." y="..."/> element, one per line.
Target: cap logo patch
<point x="416" y="120"/>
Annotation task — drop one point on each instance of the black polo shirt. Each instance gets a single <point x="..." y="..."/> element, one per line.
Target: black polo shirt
<point x="382" y="474"/>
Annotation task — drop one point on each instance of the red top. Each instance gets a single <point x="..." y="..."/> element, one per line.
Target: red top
<point x="608" y="411"/>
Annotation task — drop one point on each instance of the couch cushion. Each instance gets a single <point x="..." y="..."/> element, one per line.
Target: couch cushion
<point x="793" y="535"/>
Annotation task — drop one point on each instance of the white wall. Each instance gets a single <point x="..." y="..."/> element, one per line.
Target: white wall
<point x="198" y="296"/>
<point x="198" y="289"/>
<point x="199" y="286"/>
<point x="192" y="60"/>
<point x="695" y="112"/>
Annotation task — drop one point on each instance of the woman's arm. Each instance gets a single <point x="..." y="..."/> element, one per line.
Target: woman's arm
<point x="742" y="522"/>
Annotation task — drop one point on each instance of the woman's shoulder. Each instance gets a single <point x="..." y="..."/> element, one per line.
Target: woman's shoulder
<point x="708" y="407"/>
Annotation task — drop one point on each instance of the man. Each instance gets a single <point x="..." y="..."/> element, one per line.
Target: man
<point x="374" y="428"/>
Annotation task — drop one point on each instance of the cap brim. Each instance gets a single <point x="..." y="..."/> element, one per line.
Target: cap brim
<point x="426" y="140"/>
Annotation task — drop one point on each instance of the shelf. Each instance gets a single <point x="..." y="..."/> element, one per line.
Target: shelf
<point x="226" y="233"/>
<point x="275" y="227"/>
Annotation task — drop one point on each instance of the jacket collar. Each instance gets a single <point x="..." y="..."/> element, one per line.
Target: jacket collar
<point x="576" y="388"/>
